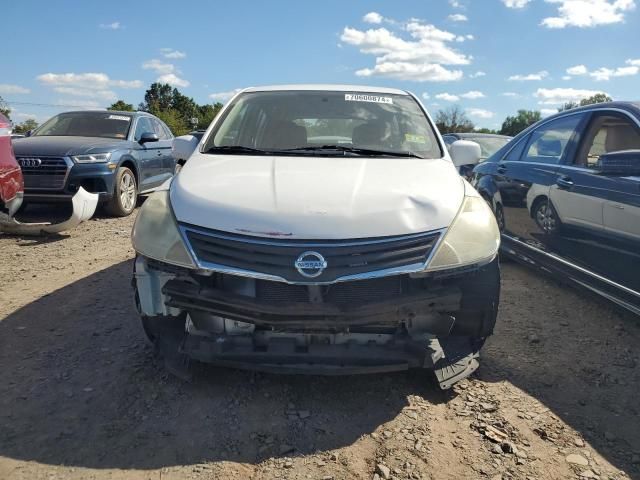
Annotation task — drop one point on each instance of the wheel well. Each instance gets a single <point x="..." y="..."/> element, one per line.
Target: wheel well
<point x="536" y="202"/>
<point x="131" y="166"/>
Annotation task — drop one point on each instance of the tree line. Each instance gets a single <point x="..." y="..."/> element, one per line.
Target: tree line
<point x="455" y="120"/>
<point x="181" y="113"/>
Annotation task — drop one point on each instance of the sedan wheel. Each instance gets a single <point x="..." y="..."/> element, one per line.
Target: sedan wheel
<point x="125" y="195"/>
<point x="547" y="218"/>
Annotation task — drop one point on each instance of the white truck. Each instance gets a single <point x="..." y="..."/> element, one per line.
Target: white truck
<point x="320" y="229"/>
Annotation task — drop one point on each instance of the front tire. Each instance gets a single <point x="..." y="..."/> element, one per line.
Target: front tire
<point x="125" y="194"/>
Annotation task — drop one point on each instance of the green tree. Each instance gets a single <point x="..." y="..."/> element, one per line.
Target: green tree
<point x="174" y="121"/>
<point x="453" y="120"/>
<point x="4" y="108"/>
<point x="517" y="123"/>
<point x="158" y="97"/>
<point x="122" y="106"/>
<point x="206" y="114"/>
<point x="592" y="100"/>
<point x="485" y="130"/>
<point x="24" y="127"/>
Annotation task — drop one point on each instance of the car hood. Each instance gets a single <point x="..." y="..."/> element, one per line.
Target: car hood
<point x="316" y="198"/>
<point x="64" y="146"/>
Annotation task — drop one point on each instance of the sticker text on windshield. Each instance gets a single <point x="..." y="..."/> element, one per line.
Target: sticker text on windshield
<point x="358" y="97"/>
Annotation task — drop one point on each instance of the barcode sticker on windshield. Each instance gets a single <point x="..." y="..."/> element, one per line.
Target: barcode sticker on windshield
<point x="119" y="117"/>
<point x="359" y="97"/>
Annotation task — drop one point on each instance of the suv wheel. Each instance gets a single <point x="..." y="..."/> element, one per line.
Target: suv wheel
<point x="546" y="217"/>
<point x="125" y="194"/>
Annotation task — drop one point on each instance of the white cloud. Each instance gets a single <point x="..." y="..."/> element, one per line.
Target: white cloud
<point x="159" y="66"/>
<point x="577" y="70"/>
<point x="447" y="97"/>
<point x="567" y="77"/>
<point x="15" y="115"/>
<point x="479" y="73"/>
<point x="531" y="77"/>
<point x="224" y="96"/>
<point x="421" y="58"/>
<point x="588" y="13"/>
<point x="111" y="26"/>
<point x="555" y="96"/>
<point x="99" y="83"/>
<point x="373" y="17"/>
<point x="9" y="89"/>
<point x="458" y="17"/>
<point x="545" y="112"/>
<point x="171" y="53"/>
<point x="426" y="96"/>
<point x="173" y="80"/>
<point x="510" y="94"/>
<point x="516" y="3"/>
<point x="455" y="4"/>
<point x="604" y="73"/>
<point x="86" y="92"/>
<point x="479" y="113"/>
<point x="473" y="95"/>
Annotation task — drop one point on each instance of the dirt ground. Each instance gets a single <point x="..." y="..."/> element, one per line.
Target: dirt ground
<point x="82" y="396"/>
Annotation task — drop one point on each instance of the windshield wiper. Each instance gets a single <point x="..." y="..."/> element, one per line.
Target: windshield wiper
<point x="355" y="150"/>
<point x="238" y="149"/>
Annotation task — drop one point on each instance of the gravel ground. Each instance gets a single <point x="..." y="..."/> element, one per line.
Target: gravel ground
<point x="82" y="396"/>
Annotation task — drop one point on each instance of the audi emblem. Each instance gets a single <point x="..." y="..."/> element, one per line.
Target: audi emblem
<point x="30" y="162"/>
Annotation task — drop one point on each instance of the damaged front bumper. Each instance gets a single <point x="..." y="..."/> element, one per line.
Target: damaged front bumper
<point x="437" y="322"/>
<point x="84" y="206"/>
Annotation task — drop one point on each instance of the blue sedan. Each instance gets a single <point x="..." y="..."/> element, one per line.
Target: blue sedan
<point x="117" y="155"/>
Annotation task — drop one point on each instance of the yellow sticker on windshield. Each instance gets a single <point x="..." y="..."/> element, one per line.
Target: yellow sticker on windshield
<point x="411" y="138"/>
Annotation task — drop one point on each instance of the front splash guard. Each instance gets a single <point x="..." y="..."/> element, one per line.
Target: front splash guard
<point x="84" y="206"/>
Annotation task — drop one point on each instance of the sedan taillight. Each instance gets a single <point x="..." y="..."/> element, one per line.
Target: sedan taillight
<point x="5" y="129"/>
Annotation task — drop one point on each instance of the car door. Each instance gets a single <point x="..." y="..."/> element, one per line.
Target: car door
<point x="149" y="156"/>
<point x="164" y="149"/>
<point x="525" y="176"/>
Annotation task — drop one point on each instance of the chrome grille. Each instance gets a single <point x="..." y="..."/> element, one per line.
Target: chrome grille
<point x="277" y="257"/>
<point x="43" y="173"/>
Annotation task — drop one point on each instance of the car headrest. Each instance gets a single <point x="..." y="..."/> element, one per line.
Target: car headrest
<point x="549" y="148"/>
<point x="621" y="137"/>
<point x="283" y="135"/>
<point x="368" y="135"/>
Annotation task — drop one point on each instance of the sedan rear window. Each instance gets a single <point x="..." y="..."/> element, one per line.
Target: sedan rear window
<point x="324" y="123"/>
<point x="86" y="124"/>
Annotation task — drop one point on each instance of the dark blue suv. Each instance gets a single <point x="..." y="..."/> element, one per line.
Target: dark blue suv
<point x="566" y="193"/>
<point x="117" y="155"/>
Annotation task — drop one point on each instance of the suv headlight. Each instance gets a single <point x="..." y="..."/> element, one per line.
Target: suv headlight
<point x="92" y="158"/>
<point x="155" y="232"/>
<point x="472" y="238"/>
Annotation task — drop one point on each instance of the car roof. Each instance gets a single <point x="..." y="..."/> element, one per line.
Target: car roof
<point x="327" y="88"/>
<point x="114" y="112"/>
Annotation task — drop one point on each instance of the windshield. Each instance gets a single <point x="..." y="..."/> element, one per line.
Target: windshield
<point x="86" y="124"/>
<point x="324" y="123"/>
<point x="489" y="145"/>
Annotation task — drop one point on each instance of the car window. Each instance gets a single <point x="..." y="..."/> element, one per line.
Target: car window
<point x="86" y="124"/>
<point x="516" y="152"/>
<point x="607" y="133"/>
<point x="158" y="129"/>
<point x="143" y="126"/>
<point x="286" y="120"/>
<point x="547" y="144"/>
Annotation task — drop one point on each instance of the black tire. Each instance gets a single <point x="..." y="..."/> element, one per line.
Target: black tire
<point x="546" y="217"/>
<point x="499" y="213"/>
<point x="125" y="194"/>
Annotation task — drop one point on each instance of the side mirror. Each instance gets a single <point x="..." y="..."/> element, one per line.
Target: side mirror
<point x="28" y="133"/>
<point x="465" y="152"/>
<point x="624" y="162"/>
<point x="148" y="137"/>
<point x="184" y="146"/>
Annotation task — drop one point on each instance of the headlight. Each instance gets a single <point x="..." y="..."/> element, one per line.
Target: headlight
<point x="473" y="237"/>
<point x="155" y="232"/>
<point x="92" y="158"/>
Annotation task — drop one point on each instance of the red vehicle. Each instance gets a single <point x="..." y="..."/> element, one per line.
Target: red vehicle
<point x="12" y="191"/>
<point x="11" y="183"/>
